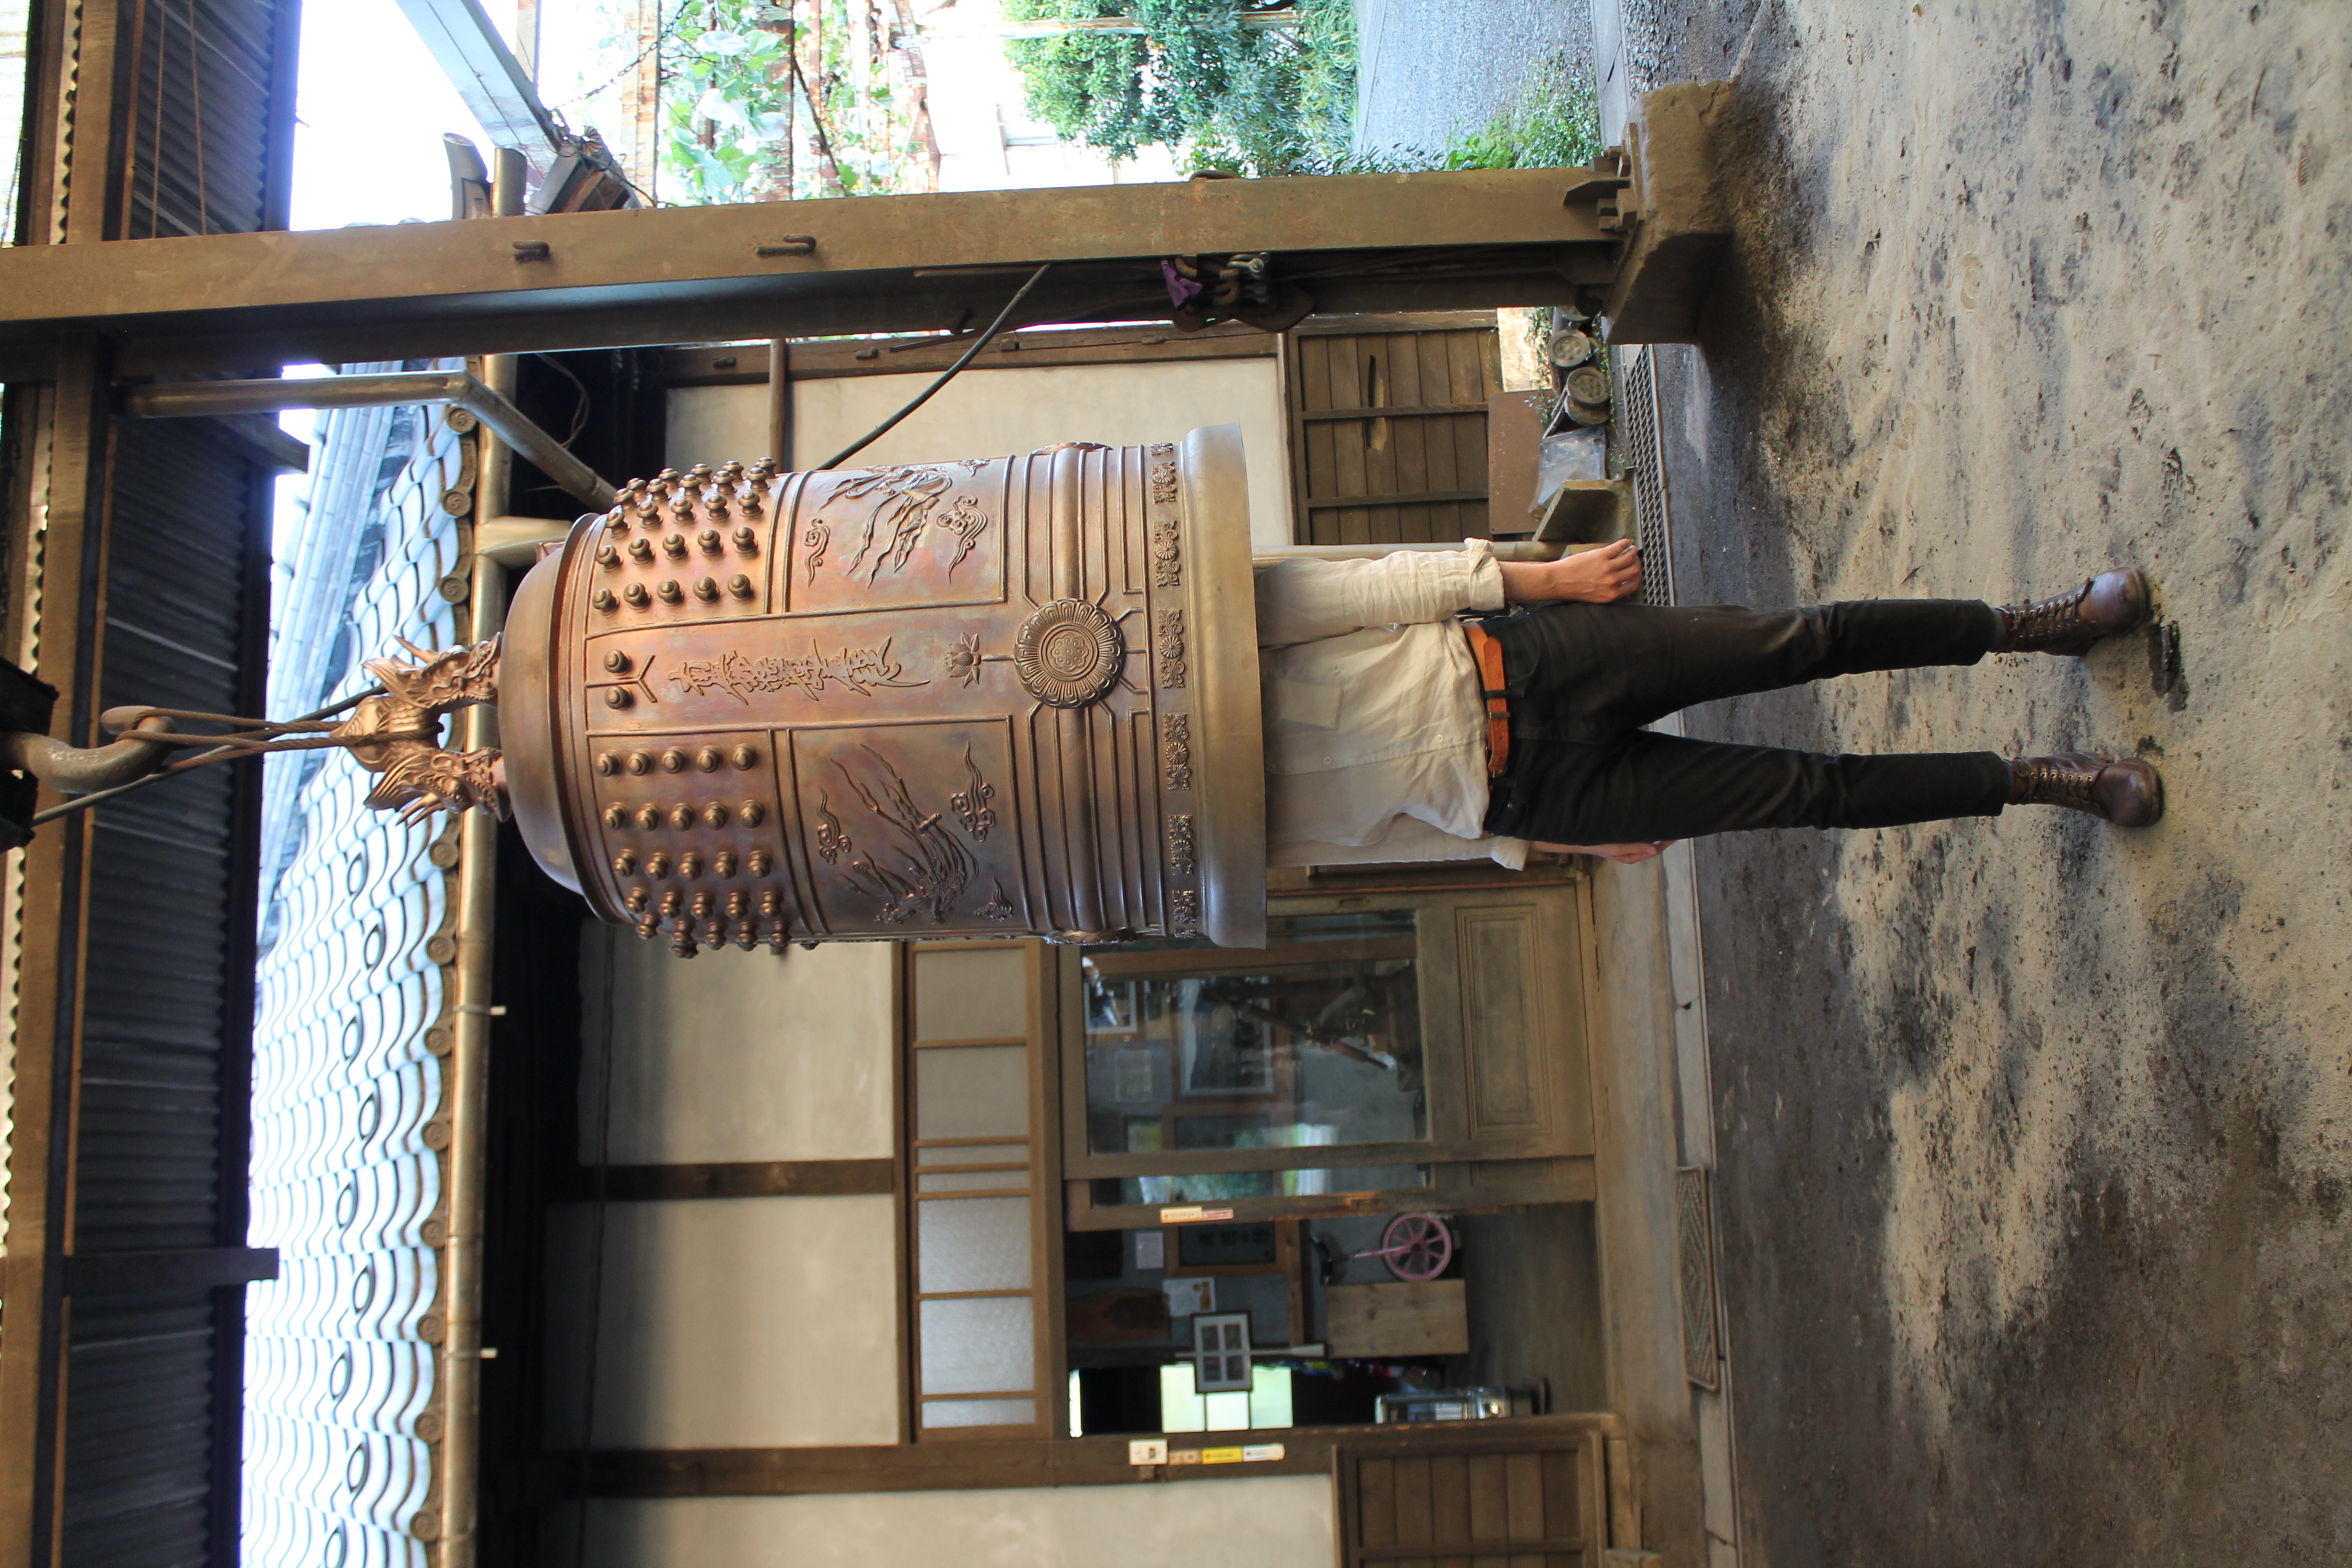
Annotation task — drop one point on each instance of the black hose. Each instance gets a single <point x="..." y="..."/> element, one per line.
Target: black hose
<point x="946" y="376"/>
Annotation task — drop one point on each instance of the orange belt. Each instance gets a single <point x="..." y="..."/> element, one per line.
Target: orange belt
<point x="1487" y="653"/>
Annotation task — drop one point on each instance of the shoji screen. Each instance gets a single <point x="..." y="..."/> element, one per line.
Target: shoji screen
<point x="981" y="1223"/>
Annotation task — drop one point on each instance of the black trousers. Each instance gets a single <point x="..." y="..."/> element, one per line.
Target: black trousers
<point x="1583" y="678"/>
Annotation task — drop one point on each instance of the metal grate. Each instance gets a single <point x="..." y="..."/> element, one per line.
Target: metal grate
<point x="1637" y="411"/>
<point x="1694" y="1247"/>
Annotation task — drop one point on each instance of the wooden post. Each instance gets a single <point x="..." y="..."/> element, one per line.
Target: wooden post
<point x="639" y="142"/>
<point x="51" y="925"/>
<point x="780" y="401"/>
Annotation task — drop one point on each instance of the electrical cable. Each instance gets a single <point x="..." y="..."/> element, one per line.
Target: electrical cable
<point x="946" y="376"/>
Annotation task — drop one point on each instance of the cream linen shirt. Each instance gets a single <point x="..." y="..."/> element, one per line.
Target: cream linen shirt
<point x="1375" y="736"/>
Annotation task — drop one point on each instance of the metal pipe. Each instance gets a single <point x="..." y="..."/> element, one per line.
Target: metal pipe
<point x="473" y="929"/>
<point x="468" y="1103"/>
<point x="476" y="901"/>
<point x="79" y="769"/>
<point x="514" y="541"/>
<point x="190" y="399"/>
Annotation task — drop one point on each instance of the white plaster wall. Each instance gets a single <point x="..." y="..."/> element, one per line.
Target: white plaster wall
<point x="737" y="1056"/>
<point x="728" y="1322"/>
<point x="1276" y="1521"/>
<point x="995" y="411"/>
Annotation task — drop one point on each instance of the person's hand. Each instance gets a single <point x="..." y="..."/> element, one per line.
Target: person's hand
<point x="1601" y="576"/>
<point x="1623" y="854"/>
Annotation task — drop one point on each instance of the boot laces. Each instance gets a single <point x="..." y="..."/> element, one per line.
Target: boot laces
<point x="2046" y="617"/>
<point x="2050" y="781"/>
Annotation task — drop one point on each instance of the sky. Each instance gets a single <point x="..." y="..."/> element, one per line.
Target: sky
<point x="371" y="113"/>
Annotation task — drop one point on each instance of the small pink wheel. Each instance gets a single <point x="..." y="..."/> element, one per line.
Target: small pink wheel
<point x="1417" y="1247"/>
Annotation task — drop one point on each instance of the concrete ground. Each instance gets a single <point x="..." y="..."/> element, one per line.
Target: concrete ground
<point x="2032" y="1132"/>
<point x="1429" y="70"/>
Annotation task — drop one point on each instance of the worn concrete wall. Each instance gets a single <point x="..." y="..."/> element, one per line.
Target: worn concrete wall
<point x="1277" y="1521"/>
<point x="728" y="1322"/>
<point x="735" y="1055"/>
<point x="990" y="412"/>
<point x="740" y="1321"/>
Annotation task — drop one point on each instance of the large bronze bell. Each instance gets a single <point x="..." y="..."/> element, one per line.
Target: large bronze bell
<point x="1003" y="695"/>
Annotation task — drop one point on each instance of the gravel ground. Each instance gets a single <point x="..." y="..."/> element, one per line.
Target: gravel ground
<point x="1431" y="67"/>
<point x="2033" y="1133"/>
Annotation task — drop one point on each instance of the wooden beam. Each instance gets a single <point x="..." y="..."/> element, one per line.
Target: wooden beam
<point x="66" y="441"/>
<point x="779" y="402"/>
<point x="171" y="1269"/>
<point x="1495" y="1187"/>
<point x="747" y="1179"/>
<point x="1418" y="498"/>
<point x="1332" y="326"/>
<point x="1393" y="413"/>
<point x="1015" y="1462"/>
<point x="1481" y="238"/>
<point x="823" y="359"/>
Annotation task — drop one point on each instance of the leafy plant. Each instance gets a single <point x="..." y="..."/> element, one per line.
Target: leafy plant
<point x="728" y="96"/>
<point x="1555" y="123"/>
<point x="1271" y="100"/>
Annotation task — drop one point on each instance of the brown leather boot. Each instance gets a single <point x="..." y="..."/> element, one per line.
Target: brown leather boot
<point x="2125" y="790"/>
<point x="2108" y="604"/>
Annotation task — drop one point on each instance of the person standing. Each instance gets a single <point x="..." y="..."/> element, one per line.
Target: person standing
<point x="1432" y="705"/>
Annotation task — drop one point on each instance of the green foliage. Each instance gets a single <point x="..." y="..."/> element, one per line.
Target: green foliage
<point x="727" y="108"/>
<point x="1555" y="123"/>
<point x="1260" y="101"/>
<point x="720" y="87"/>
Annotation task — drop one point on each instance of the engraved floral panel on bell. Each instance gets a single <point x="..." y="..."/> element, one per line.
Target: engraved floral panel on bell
<point x="911" y="827"/>
<point x="930" y="535"/>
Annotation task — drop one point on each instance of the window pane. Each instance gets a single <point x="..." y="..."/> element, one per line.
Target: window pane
<point x="970" y="995"/>
<point x="971" y="1180"/>
<point x="1269" y="1396"/>
<point x="1315" y="1043"/>
<point x="1180" y="1409"/>
<point x="973" y="1244"/>
<point x="980" y="1412"/>
<point x="976" y="1092"/>
<point x="1209" y="1189"/>
<point x="978" y="1347"/>
<point x="1224" y="1412"/>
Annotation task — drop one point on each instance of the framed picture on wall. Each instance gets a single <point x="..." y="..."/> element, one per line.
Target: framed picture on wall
<point x="1110" y="1009"/>
<point x="1224" y="1052"/>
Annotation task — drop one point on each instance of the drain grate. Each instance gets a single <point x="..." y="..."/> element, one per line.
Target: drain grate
<point x="1637" y="419"/>
<point x="1695" y="1244"/>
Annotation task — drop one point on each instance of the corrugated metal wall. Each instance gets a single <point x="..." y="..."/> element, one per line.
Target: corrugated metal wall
<point x="198" y="116"/>
<point x="151" y="1401"/>
<point x="160" y="1136"/>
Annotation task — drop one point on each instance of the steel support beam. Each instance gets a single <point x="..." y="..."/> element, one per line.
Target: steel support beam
<point x="1355" y="243"/>
<point x="186" y="399"/>
<point x="467" y="47"/>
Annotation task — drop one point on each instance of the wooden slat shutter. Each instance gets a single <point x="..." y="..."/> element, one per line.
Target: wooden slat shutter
<point x="1472" y="1496"/>
<point x="1389" y="428"/>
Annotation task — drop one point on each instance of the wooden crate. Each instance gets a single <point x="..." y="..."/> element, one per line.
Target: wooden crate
<point x="1380" y="1321"/>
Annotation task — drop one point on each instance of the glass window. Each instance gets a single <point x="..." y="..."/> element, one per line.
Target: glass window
<point x="1315" y="1041"/>
<point x="1267" y="1402"/>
